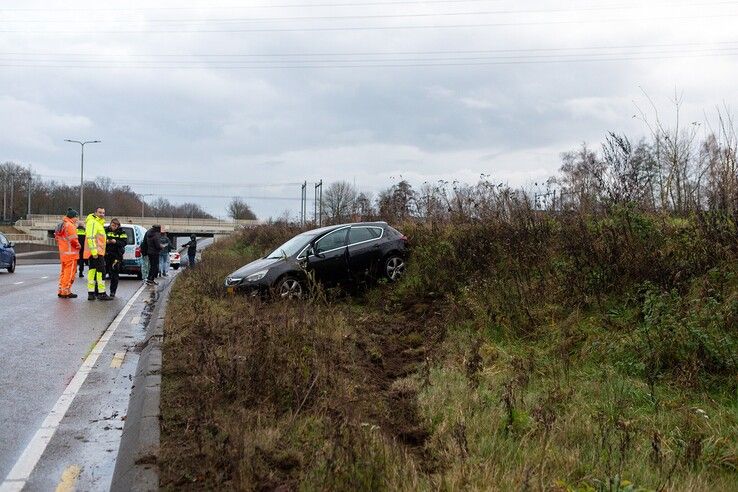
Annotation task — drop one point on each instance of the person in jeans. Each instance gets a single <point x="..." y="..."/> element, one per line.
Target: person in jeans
<point x="153" y="248"/>
<point x="166" y="246"/>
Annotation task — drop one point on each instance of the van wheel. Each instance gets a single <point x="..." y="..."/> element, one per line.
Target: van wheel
<point x="394" y="267"/>
<point x="290" y="288"/>
<point x="11" y="268"/>
<point x="139" y="276"/>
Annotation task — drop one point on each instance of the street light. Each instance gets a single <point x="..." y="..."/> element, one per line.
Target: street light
<point x="143" y="203"/>
<point x="82" y="173"/>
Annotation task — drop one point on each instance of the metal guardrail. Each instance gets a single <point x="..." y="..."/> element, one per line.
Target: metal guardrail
<point x="28" y="238"/>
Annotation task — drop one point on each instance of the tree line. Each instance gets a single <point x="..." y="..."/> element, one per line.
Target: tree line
<point x="674" y="169"/>
<point x="48" y="197"/>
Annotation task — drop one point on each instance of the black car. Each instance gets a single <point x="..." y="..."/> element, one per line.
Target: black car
<point x="334" y="255"/>
<point x="7" y="254"/>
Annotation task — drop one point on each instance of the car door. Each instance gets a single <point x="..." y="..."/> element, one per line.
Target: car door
<point x="329" y="261"/>
<point x="4" y="251"/>
<point x="363" y="249"/>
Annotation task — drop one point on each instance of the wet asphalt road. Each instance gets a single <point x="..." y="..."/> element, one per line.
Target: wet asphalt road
<point x="43" y="342"/>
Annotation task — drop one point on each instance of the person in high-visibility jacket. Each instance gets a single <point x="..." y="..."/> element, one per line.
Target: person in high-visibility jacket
<point x="69" y="247"/>
<point x="95" y="240"/>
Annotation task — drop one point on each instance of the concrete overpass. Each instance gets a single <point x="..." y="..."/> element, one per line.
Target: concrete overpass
<point x="41" y="227"/>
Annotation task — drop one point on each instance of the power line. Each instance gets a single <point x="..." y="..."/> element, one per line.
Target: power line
<point x="377" y="53"/>
<point x="370" y="61"/>
<point x="380" y="16"/>
<point x="179" y="183"/>
<point x="241" y="7"/>
<point x="354" y="64"/>
<point x="379" y="28"/>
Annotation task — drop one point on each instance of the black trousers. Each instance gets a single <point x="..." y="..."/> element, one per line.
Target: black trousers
<point x="153" y="265"/>
<point x="81" y="255"/>
<point x="112" y="266"/>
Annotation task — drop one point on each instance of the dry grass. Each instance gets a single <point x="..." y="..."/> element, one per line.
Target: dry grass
<point x="522" y="364"/>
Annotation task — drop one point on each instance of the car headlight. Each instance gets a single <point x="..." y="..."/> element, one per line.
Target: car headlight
<point x="230" y="281"/>
<point x="256" y="276"/>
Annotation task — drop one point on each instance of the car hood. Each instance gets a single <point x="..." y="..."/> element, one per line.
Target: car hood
<point x="255" y="266"/>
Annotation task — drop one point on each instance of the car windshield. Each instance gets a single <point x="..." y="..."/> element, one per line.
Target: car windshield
<point x="291" y="247"/>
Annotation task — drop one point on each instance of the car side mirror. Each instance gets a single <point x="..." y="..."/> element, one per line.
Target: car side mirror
<point x="314" y="252"/>
<point x="11" y="244"/>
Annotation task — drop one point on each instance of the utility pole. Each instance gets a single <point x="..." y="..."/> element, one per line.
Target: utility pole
<point x="303" y="204"/>
<point x="12" y="192"/>
<point x="82" y="173"/>
<point x="318" y="204"/>
<point x="30" y="185"/>
<point x="5" y="199"/>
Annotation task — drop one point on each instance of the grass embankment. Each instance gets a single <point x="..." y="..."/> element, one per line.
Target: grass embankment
<point x="526" y="354"/>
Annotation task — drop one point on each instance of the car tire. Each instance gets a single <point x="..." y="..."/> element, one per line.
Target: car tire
<point x="11" y="268"/>
<point x="176" y="267"/>
<point x="393" y="267"/>
<point x="290" y="287"/>
<point x="139" y="276"/>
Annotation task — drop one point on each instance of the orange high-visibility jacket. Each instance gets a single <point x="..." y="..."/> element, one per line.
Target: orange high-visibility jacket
<point x="66" y="238"/>
<point x="95" y="238"/>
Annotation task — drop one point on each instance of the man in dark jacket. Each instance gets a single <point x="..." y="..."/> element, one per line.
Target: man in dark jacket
<point x="153" y="248"/>
<point x="114" y="251"/>
<point x="191" y="250"/>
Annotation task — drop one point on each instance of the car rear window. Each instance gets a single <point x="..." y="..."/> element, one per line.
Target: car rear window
<point x="130" y="233"/>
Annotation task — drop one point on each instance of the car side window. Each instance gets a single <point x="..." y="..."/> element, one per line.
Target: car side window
<point x="331" y="241"/>
<point x="360" y="234"/>
<point x="3" y="241"/>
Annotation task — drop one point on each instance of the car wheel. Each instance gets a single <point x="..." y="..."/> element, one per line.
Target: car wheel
<point x="11" y="268"/>
<point x="176" y="267"/>
<point x="394" y="267"/>
<point x="290" y="288"/>
<point x="139" y="276"/>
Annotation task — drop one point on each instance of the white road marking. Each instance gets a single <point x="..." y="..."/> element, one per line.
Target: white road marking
<point x="135" y="320"/>
<point x="45" y="276"/>
<point x="21" y="471"/>
<point x="17" y="283"/>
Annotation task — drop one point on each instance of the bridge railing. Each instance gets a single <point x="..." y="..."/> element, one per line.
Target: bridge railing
<point x="34" y="220"/>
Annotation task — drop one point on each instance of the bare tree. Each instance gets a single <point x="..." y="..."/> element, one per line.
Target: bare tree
<point x="238" y="209"/>
<point x="338" y="201"/>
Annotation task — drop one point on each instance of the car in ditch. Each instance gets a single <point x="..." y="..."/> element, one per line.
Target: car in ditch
<point x="333" y="255"/>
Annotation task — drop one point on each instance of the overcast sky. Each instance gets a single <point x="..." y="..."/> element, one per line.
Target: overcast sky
<point x="358" y="90"/>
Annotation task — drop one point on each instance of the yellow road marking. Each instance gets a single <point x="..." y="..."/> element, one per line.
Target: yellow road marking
<point x="117" y="359"/>
<point x="69" y="479"/>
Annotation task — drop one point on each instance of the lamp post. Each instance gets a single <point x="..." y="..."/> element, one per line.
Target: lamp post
<point x="82" y="173"/>
<point x="143" y="203"/>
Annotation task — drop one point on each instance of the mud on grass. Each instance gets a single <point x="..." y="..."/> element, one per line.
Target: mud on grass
<point x="265" y="396"/>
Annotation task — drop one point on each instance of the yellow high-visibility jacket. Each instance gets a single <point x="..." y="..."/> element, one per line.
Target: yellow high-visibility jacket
<point x="94" y="236"/>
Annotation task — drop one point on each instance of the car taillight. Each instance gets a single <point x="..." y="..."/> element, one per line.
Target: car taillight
<point x="176" y="256"/>
<point x="403" y="238"/>
<point x="138" y="252"/>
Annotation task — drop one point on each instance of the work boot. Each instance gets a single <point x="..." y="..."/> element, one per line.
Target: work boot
<point x="60" y="295"/>
<point x="91" y="296"/>
<point x="71" y="296"/>
<point x="112" y="294"/>
<point x="104" y="297"/>
<point x="81" y="275"/>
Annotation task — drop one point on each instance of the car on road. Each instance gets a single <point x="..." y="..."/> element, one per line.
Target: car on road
<point x="7" y="254"/>
<point x="132" y="258"/>
<point x="332" y="255"/>
<point x="175" y="259"/>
